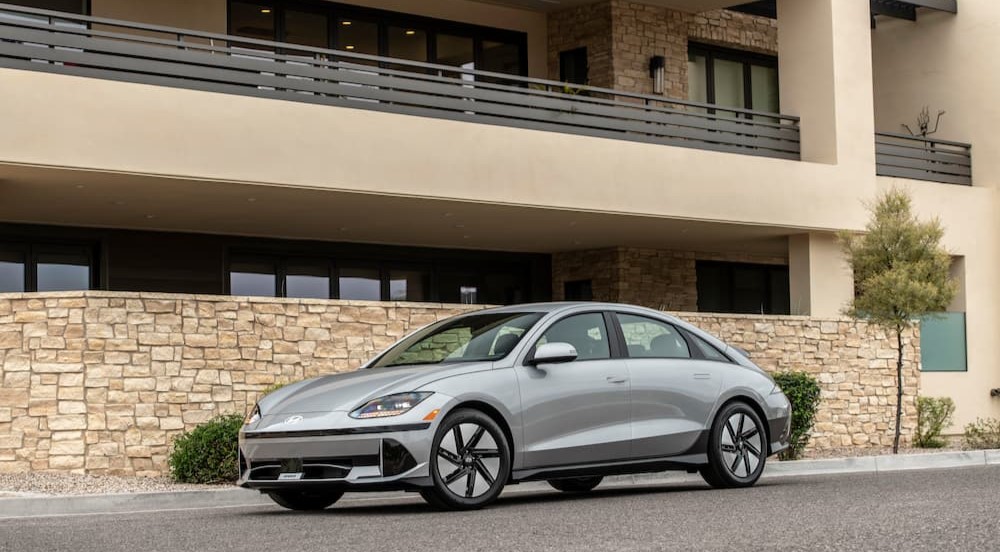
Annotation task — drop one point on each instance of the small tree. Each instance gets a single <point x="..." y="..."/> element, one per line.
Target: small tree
<point x="901" y="273"/>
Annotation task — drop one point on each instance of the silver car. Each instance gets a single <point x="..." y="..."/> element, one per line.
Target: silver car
<point x="562" y="392"/>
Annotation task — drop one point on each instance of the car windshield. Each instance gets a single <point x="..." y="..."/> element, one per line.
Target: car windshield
<point x="479" y="337"/>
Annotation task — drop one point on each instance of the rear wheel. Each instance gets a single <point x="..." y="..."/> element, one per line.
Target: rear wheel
<point x="470" y="462"/>
<point x="576" y="484"/>
<point x="305" y="499"/>
<point x="737" y="448"/>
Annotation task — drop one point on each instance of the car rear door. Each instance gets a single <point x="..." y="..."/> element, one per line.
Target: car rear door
<point x="576" y="412"/>
<point x="672" y="388"/>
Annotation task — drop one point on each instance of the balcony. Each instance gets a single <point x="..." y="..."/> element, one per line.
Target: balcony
<point x="56" y="42"/>
<point x="921" y="158"/>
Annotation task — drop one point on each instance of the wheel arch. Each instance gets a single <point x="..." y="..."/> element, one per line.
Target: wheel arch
<point x="755" y="406"/>
<point x="496" y="416"/>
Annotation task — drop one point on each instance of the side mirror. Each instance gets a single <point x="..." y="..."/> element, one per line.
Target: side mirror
<point x="553" y="353"/>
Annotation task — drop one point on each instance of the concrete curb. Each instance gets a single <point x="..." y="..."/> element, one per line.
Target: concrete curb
<point x="37" y="506"/>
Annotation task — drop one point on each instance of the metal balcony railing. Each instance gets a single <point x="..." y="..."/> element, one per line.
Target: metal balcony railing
<point x="71" y="44"/>
<point x="920" y="158"/>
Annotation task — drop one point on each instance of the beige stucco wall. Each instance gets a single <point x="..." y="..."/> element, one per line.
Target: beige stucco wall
<point x="945" y="61"/>
<point x="98" y="382"/>
<point x="61" y="121"/>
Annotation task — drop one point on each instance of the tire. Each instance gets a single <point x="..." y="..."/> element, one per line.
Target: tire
<point x="737" y="448"/>
<point x="470" y="462"/>
<point x="305" y="500"/>
<point x="576" y="484"/>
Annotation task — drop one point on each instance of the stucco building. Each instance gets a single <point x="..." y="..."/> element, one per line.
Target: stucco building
<point x="686" y="155"/>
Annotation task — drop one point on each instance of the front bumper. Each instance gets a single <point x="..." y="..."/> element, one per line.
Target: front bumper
<point x="779" y="421"/>
<point x="331" y="449"/>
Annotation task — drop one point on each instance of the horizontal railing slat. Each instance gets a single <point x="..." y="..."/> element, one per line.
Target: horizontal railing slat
<point x="916" y="174"/>
<point x="923" y="158"/>
<point x="339" y="78"/>
<point x="923" y="164"/>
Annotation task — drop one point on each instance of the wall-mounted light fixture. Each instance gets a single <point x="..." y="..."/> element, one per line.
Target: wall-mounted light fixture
<point x="657" y="70"/>
<point x="995" y="392"/>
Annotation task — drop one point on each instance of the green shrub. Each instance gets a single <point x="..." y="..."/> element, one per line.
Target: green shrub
<point x="802" y="391"/>
<point x="933" y="414"/>
<point x="983" y="434"/>
<point x="208" y="453"/>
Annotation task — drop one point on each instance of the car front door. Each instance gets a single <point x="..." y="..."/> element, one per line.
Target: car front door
<point x="673" y="390"/>
<point x="576" y="412"/>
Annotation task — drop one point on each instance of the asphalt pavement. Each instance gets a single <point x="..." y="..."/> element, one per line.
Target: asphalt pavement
<point x="953" y="509"/>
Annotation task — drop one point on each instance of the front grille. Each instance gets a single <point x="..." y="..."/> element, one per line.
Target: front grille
<point x="310" y="468"/>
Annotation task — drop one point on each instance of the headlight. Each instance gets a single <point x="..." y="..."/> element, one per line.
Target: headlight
<point x="253" y="416"/>
<point x="777" y="390"/>
<point x="391" y="405"/>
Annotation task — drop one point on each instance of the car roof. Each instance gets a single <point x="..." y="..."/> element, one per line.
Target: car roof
<point x="560" y="306"/>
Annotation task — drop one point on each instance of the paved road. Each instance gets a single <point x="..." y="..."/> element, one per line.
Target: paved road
<point x="957" y="509"/>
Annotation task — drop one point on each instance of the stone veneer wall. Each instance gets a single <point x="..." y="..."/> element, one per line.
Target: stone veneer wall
<point x="101" y="382"/>
<point x="621" y="36"/>
<point x="659" y="279"/>
<point x="587" y="26"/>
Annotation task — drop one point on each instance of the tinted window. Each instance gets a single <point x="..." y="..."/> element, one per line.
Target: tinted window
<point x="707" y="350"/>
<point x="649" y="338"/>
<point x="587" y="333"/>
<point x="63" y="272"/>
<point x="253" y="278"/>
<point x="11" y="272"/>
<point x="361" y="284"/>
<point x="252" y="20"/>
<point x="305" y="281"/>
<point x="742" y="288"/>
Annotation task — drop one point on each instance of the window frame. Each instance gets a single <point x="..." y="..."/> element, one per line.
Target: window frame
<point x="693" y="352"/>
<point x="745" y="57"/>
<point x="769" y="292"/>
<point x="30" y="252"/>
<point x="385" y="19"/>
<point x="612" y="331"/>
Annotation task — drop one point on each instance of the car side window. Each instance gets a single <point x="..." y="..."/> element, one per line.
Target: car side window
<point x="707" y="349"/>
<point x="587" y="333"/>
<point x="649" y="338"/>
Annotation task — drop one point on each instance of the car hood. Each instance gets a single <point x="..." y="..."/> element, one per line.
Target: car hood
<point x="345" y="392"/>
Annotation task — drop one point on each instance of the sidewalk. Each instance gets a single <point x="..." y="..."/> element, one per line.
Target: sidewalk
<point x="14" y="505"/>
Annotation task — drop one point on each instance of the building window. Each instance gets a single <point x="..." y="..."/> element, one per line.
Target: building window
<point x="376" y="32"/>
<point x="742" y="288"/>
<point x="80" y="7"/>
<point x="942" y="343"/>
<point x="733" y="78"/>
<point x="578" y="290"/>
<point x="573" y="66"/>
<point x="45" y="267"/>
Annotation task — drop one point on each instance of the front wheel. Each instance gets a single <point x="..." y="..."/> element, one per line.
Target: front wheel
<point x="470" y="462"/>
<point x="737" y="448"/>
<point x="305" y="499"/>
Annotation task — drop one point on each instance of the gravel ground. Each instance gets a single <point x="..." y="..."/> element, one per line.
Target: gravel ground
<point x="848" y="452"/>
<point x="14" y="484"/>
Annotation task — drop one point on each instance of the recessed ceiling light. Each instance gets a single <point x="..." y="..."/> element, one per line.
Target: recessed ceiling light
<point x="265" y="10"/>
<point x="411" y="32"/>
<point x="80" y="186"/>
<point x="349" y="47"/>
<point x="150" y="216"/>
<point x="251" y="199"/>
<point x="346" y="23"/>
<point x="447" y="214"/>
<point x="344" y="229"/>
<point x="466" y="236"/>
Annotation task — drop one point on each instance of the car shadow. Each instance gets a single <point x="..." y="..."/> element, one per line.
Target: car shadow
<point x="414" y="505"/>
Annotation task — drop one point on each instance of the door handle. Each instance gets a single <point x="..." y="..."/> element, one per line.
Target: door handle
<point x="617" y="379"/>
<point x="703" y="376"/>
